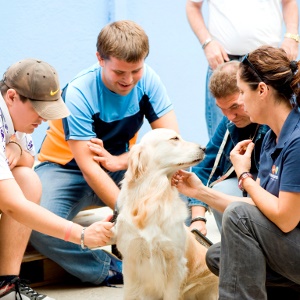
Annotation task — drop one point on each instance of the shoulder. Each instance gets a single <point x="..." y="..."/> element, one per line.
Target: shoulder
<point x="261" y="133"/>
<point x="226" y="124"/>
<point x="150" y="77"/>
<point x="87" y="74"/>
<point x="84" y="83"/>
<point x="220" y="132"/>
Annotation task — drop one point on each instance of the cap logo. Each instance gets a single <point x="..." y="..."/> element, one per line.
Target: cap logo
<point x="53" y="93"/>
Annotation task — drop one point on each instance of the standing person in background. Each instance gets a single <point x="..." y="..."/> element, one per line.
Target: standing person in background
<point x="216" y="170"/>
<point x="84" y="158"/>
<point x="236" y="27"/>
<point x="29" y="95"/>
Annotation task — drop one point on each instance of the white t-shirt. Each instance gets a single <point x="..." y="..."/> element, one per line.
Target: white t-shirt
<point x="241" y="26"/>
<point x="7" y="131"/>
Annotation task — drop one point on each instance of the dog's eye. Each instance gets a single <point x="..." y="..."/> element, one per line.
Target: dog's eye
<point x="176" y="138"/>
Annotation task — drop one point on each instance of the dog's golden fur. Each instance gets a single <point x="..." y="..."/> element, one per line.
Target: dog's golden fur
<point x="161" y="257"/>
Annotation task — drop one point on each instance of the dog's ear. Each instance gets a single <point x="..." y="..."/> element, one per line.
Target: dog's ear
<point x="137" y="163"/>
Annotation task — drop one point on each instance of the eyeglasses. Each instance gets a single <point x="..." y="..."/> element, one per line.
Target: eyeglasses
<point x="246" y="62"/>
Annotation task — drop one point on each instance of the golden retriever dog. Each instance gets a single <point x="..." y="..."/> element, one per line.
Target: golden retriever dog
<point x="161" y="257"/>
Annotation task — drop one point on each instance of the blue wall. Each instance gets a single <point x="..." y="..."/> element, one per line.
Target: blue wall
<point x="64" y="34"/>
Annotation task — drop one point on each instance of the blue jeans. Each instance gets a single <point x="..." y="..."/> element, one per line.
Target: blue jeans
<point x="213" y="113"/>
<point x="65" y="193"/>
<point x="254" y="253"/>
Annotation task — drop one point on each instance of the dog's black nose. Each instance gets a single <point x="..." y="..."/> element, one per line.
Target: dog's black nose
<point x="203" y="148"/>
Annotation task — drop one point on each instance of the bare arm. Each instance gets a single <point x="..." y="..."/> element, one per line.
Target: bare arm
<point x="290" y="13"/>
<point x="284" y="210"/>
<point x="214" y="51"/>
<point x="95" y="176"/>
<point x="166" y="121"/>
<point x="197" y="211"/>
<point x="196" y="20"/>
<point x="110" y="162"/>
<point x="15" y="158"/>
<point x="26" y="160"/>
<point x="190" y="185"/>
<point x="14" y="204"/>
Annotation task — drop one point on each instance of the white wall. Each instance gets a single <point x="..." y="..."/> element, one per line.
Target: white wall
<point x="64" y="33"/>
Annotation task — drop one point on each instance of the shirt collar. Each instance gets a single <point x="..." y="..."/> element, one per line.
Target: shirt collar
<point x="5" y="114"/>
<point x="290" y="124"/>
<point x="288" y="127"/>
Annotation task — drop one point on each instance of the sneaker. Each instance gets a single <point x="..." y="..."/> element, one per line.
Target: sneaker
<point x="115" y="275"/>
<point x="18" y="289"/>
<point x="115" y="262"/>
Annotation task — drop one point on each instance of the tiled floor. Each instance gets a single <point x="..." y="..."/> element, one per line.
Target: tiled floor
<point x="69" y="291"/>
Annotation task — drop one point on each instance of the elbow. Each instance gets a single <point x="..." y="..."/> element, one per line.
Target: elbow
<point x="191" y="7"/>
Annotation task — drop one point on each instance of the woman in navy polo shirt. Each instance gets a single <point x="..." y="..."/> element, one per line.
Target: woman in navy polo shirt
<point x="260" y="242"/>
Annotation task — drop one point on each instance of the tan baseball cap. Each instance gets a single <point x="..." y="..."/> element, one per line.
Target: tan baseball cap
<point x="38" y="81"/>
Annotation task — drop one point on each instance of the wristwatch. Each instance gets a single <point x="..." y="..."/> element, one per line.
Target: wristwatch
<point x="243" y="176"/>
<point x="293" y="36"/>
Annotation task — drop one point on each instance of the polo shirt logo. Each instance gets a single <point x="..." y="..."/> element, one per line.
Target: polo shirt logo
<point x="274" y="172"/>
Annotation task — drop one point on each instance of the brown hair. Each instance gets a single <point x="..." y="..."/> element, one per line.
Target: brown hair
<point x="4" y="88"/>
<point x="124" y="40"/>
<point x="273" y="67"/>
<point x="223" y="80"/>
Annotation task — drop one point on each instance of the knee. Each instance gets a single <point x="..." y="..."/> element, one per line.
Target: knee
<point x="29" y="183"/>
<point x="232" y="209"/>
<point x="236" y="215"/>
<point x="212" y="258"/>
<point x="36" y="237"/>
<point x="41" y="241"/>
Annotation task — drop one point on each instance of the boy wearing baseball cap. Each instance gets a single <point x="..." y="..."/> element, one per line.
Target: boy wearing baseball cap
<point x="29" y="94"/>
<point x="38" y="82"/>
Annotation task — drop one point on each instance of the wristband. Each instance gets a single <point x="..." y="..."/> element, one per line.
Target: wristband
<point x="82" y="239"/>
<point x="199" y="218"/>
<point x="207" y="41"/>
<point x="14" y="142"/>
<point x="293" y="36"/>
<point x="68" y="231"/>
<point x="243" y="176"/>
